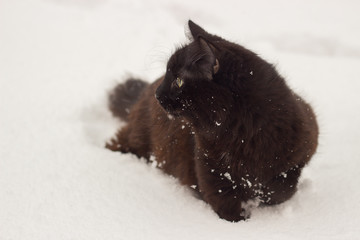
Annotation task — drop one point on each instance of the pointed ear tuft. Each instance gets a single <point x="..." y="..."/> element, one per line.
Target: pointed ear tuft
<point x="195" y="30"/>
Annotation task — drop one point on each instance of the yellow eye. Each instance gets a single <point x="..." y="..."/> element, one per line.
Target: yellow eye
<point x="179" y="82"/>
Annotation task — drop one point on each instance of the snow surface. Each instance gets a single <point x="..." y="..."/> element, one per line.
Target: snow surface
<point x="58" y="60"/>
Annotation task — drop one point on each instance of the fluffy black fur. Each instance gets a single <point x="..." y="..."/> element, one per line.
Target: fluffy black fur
<point x="223" y="122"/>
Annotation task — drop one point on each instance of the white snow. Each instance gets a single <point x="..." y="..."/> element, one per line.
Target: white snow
<point x="228" y="176"/>
<point x="58" y="60"/>
<point x="171" y="117"/>
<point x="284" y="174"/>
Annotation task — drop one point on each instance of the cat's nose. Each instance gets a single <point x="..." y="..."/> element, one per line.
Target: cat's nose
<point x="158" y="97"/>
<point x="161" y="99"/>
<point x="158" y="94"/>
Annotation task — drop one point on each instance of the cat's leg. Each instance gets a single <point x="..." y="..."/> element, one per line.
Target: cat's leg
<point x="128" y="141"/>
<point x="120" y="141"/>
<point x="281" y="187"/>
<point x="226" y="203"/>
<point x="224" y="196"/>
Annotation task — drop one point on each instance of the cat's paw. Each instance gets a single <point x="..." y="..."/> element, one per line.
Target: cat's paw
<point x="232" y="212"/>
<point x="113" y="145"/>
<point x="234" y="216"/>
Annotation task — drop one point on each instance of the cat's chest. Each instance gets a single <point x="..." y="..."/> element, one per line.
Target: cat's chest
<point x="228" y="157"/>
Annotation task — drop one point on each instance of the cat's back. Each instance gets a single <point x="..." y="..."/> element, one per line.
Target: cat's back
<point x="309" y="128"/>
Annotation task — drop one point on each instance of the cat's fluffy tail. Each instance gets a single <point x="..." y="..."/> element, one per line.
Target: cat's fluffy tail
<point x="124" y="95"/>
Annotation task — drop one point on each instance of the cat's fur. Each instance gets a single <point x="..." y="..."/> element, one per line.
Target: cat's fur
<point x="233" y="130"/>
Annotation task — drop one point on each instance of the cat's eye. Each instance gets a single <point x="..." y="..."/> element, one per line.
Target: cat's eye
<point x="179" y="82"/>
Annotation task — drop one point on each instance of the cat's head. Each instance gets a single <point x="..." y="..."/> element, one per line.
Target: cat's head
<point x="190" y="73"/>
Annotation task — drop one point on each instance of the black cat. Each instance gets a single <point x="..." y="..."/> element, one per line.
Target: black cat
<point x="221" y="120"/>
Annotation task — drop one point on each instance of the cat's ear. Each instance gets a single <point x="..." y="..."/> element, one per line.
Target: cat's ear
<point x="196" y="31"/>
<point x="207" y="62"/>
<point x="216" y="66"/>
<point x="210" y="50"/>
